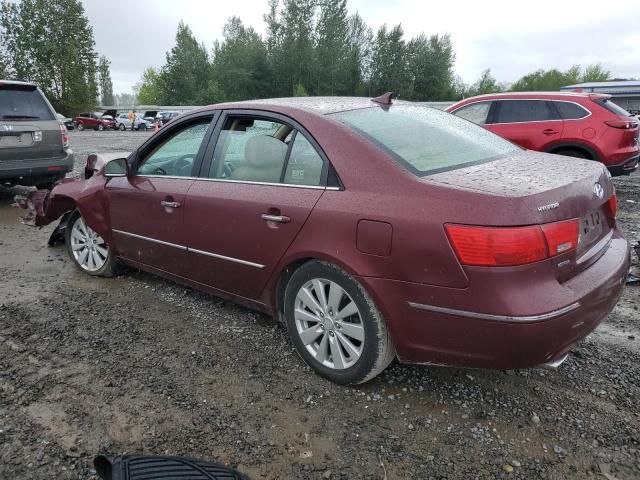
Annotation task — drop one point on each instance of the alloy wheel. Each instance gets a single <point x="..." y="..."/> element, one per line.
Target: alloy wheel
<point x="329" y="324"/>
<point x="88" y="248"/>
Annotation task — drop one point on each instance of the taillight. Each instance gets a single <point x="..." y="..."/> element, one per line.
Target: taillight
<point x="509" y="246"/>
<point x="621" y="123"/>
<point x="561" y="236"/>
<point x="65" y="136"/>
<point x="613" y="205"/>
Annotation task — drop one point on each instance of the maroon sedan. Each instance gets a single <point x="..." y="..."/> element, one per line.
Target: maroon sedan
<point x="373" y="230"/>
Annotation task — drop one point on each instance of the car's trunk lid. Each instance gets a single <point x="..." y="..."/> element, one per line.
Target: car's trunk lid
<point x="530" y="188"/>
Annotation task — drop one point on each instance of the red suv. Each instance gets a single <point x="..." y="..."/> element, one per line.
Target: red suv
<point x="584" y="125"/>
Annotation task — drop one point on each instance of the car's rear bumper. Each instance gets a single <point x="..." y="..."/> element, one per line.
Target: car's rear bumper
<point x="18" y="170"/>
<point x="625" y="168"/>
<point x="426" y="331"/>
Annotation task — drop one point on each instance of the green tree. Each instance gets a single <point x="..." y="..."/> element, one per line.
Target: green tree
<point x="595" y="73"/>
<point x="148" y="90"/>
<point x="185" y="77"/>
<point x="485" y="84"/>
<point x="358" y="56"/>
<point x="50" y="42"/>
<point x="431" y="67"/>
<point x="332" y="49"/>
<point x="104" y="79"/>
<point x="552" y="80"/>
<point x="240" y="69"/>
<point x="296" y="44"/>
<point x="389" y="66"/>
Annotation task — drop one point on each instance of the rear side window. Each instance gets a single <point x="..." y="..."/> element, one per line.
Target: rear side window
<point x="425" y="140"/>
<point x="518" y="111"/>
<point x="570" y="111"/>
<point x="613" y="107"/>
<point x="23" y="104"/>
<point x="474" y="112"/>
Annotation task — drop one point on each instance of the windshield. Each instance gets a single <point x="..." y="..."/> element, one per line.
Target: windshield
<point x="23" y="104"/>
<point x="425" y="140"/>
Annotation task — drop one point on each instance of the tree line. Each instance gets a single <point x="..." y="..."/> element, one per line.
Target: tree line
<point x="51" y="42"/>
<point x="311" y="47"/>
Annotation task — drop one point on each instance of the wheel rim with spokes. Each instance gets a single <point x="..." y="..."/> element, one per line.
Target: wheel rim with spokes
<point x="89" y="249"/>
<point x="329" y="324"/>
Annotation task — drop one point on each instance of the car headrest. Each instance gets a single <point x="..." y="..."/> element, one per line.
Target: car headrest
<point x="263" y="151"/>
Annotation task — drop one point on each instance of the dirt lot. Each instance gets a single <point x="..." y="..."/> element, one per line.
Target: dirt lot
<point x="139" y="364"/>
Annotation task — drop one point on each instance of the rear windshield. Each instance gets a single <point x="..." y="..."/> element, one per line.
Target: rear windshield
<point x="425" y="140"/>
<point x="613" y="108"/>
<point x="23" y="104"/>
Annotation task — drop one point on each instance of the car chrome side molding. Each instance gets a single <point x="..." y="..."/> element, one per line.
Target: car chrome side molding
<point x="500" y="318"/>
<point x="187" y="249"/>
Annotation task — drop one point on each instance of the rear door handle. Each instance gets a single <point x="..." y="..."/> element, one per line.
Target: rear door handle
<point x="165" y="203"/>
<point x="550" y="131"/>
<point x="275" y="218"/>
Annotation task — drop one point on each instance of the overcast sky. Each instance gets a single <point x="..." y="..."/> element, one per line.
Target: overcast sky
<point x="495" y="34"/>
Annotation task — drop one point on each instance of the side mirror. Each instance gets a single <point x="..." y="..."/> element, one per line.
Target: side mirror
<point x="116" y="168"/>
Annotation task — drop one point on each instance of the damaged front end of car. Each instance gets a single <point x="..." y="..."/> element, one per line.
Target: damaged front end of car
<point x="85" y="194"/>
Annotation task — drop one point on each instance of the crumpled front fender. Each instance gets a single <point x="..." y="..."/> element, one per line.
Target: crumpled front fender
<point x="85" y="194"/>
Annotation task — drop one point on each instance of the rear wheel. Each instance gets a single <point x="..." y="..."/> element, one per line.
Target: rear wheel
<point x="100" y="127"/>
<point x="335" y="326"/>
<point x="88" y="250"/>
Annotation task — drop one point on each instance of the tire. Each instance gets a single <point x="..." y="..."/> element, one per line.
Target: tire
<point x="121" y="127"/>
<point x="100" y="128"/>
<point x="80" y="127"/>
<point x="78" y="233"/>
<point x="334" y="350"/>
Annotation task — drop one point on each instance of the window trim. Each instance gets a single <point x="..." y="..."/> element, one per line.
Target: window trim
<point x="140" y="155"/>
<point x="494" y="108"/>
<point x="205" y="165"/>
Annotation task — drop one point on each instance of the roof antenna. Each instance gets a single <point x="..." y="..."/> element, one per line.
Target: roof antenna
<point x="385" y="99"/>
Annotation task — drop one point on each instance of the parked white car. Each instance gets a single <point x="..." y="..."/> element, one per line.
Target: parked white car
<point x="123" y="122"/>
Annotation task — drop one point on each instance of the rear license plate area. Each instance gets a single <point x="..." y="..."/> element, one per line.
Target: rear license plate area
<point x="592" y="228"/>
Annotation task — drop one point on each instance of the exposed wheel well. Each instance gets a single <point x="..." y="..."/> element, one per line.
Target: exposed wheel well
<point x="285" y="275"/>
<point x="568" y="149"/>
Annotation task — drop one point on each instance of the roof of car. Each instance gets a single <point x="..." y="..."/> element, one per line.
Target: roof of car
<point x="536" y="94"/>
<point x="17" y="82"/>
<point x="319" y="105"/>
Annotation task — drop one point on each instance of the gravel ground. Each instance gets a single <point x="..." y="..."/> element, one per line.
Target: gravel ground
<point x="139" y="364"/>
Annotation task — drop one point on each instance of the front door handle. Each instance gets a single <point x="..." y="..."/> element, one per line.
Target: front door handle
<point x="165" y="203"/>
<point x="550" y="131"/>
<point x="275" y="218"/>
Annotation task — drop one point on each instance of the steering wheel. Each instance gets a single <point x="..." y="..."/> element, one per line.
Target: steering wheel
<point x="184" y="164"/>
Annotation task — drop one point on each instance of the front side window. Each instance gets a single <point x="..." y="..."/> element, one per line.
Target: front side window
<point x="425" y="140"/>
<point x="474" y="112"/>
<point x="177" y="153"/>
<point x="518" y="111"/>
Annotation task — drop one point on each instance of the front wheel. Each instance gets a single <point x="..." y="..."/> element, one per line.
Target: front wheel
<point x="121" y="127"/>
<point x="100" y="127"/>
<point x="80" y="127"/>
<point x="335" y="326"/>
<point x="88" y="250"/>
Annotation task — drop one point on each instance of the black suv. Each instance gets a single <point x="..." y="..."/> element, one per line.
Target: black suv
<point x="34" y="145"/>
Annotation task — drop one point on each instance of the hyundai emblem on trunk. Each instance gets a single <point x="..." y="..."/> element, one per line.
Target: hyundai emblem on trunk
<point x="598" y="190"/>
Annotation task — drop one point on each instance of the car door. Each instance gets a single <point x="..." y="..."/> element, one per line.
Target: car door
<point x="531" y="123"/>
<point x="147" y="207"/>
<point x="259" y="182"/>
